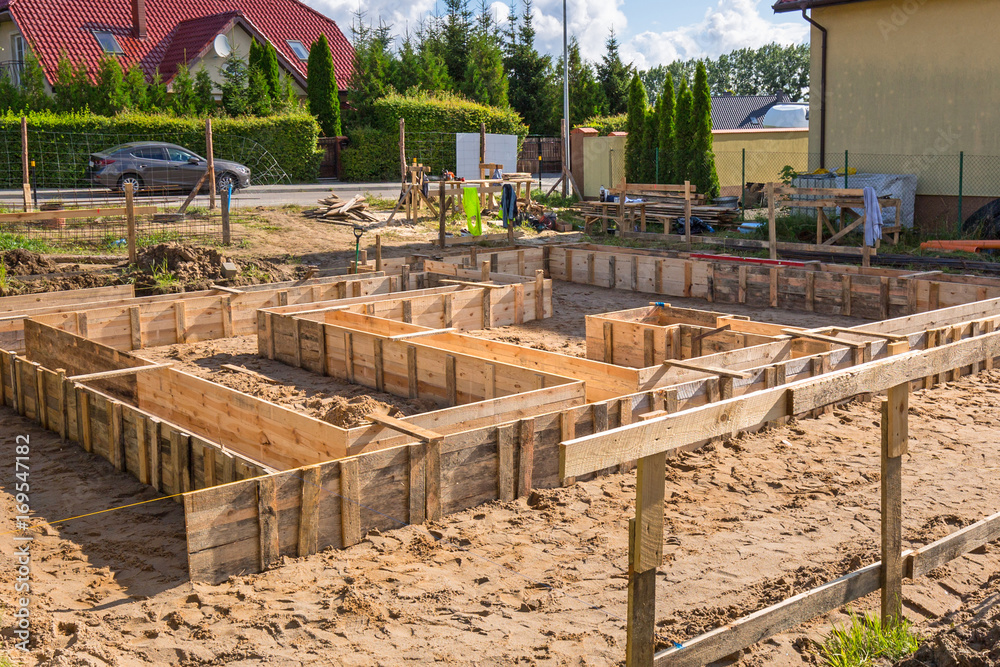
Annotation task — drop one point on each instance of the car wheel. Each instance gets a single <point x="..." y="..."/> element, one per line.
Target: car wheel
<point x="226" y="181"/>
<point x="134" y="179"/>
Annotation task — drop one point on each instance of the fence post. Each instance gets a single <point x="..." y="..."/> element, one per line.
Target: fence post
<point x="846" y="170"/>
<point x="894" y="445"/>
<point x="743" y="187"/>
<point x="687" y="212"/>
<point x="482" y="143"/>
<point x="772" y="232"/>
<point x="211" y="164"/>
<point x="402" y="150"/>
<point x="657" y="165"/>
<point x="227" y="237"/>
<point x="443" y="215"/>
<point x="961" y="178"/>
<point x="133" y="255"/>
<point x="645" y="554"/>
<point x="26" y="176"/>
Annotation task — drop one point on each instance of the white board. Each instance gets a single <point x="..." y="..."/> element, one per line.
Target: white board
<point x="500" y="149"/>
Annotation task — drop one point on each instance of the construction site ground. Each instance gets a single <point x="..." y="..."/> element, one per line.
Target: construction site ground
<point x="538" y="581"/>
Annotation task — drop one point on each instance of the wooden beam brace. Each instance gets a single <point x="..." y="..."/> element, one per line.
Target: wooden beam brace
<point x="884" y="336"/>
<point x="811" y="335"/>
<point x="419" y="334"/>
<point x="711" y="370"/>
<point x="422" y="434"/>
<point x="103" y="375"/>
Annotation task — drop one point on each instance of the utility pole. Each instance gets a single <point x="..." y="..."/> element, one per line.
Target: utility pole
<point x="565" y="175"/>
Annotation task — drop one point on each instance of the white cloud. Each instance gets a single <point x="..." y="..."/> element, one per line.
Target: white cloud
<point x="731" y="24"/>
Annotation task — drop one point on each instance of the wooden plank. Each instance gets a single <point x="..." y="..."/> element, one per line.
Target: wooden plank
<point x="422" y="434"/>
<point x="208" y="464"/>
<point x="894" y="437"/>
<point x="772" y="620"/>
<point x="227" y="317"/>
<point x="155" y="476"/>
<point x="942" y="551"/>
<point x="432" y="483"/>
<point x="267" y="520"/>
<point x="811" y="335"/>
<point x="83" y="417"/>
<point x="451" y="380"/>
<point x="116" y="211"/>
<point x="609" y="342"/>
<point x="420" y="334"/>
<point x="350" y="502"/>
<point x="603" y="450"/>
<point x="417" y="476"/>
<point x="135" y="327"/>
<point x="116" y="449"/>
<point x="103" y="375"/>
<point x="180" y="321"/>
<point x="710" y="370"/>
<point x="527" y="459"/>
<point x="141" y="445"/>
<point x="309" y="510"/>
<point x="505" y="462"/>
<point x="539" y="294"/>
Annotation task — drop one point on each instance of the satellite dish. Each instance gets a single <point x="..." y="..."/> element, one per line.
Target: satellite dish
<point x="221" y="46"/>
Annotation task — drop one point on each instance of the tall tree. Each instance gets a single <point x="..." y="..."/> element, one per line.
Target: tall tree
<point x="182" y="101"/>
<point x="370" y="78"/>
<point x="72" y="88"/>
<point x="485" y="79"/>
<point x="684" y="133"/>
<point x="614" y="77"/>
<point x="258" y="93"/>
<point x="703" y="172"/>
<point x="636" y="128"/>
<point x="204" y="95"/>
<point x="321" y="88"/>
<point x="33" y="93"/>
<point x="271" y="70"/>
<point x="136" y="88"/>
<point x="533" y="91"/>
<point x="110" y="95"/>
<point x="666" y="104"/>
<point x="157" y="91"/>
<point x="584" y="91"/>
<point x="234" y="86"/>
<point x="455" y="37"/>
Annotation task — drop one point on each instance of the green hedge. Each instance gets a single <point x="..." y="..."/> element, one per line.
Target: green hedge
<point x="61" y="144"/>
<point x="373" y="151"/>
<point x="605" y="125"/>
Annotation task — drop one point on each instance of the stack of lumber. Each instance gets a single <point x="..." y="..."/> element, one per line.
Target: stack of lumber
<point x="334" y="208"/>
<point x="713" y="215"/>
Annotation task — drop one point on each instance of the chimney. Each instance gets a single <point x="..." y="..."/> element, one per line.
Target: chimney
<point x="139" y="19"/>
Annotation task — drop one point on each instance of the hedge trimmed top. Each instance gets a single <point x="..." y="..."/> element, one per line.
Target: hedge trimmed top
<point x="443" y="113"/>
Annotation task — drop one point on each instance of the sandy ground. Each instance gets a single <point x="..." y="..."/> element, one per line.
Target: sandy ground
<point x="540" y="581"/>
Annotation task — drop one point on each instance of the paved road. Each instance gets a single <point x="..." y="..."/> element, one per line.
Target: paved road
<point x="305" y="194"/>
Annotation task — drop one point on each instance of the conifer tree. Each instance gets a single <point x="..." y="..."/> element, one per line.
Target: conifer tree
<point x="666" y="104"/>
<point x="614" y="77"/>
<point x="636" y="128"/>
<point x="110" y="95"/>
<point x="204" y="92"/>
<point x="703" y="171"/>
<point x="136" y="88"/>
<point x="271" y="70"/>
<point x="321" y="88"/>
<point x="182" y="99"/>
<point x="684" y="133"/>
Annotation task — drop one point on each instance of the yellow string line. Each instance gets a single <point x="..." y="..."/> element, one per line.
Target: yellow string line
<point x="110" y="509"/>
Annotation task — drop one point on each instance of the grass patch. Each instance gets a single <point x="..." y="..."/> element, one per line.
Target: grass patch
<point x="10" y="241"/>
<point x="864" y="641"/>
<point x="380" y="203"/>
<point x="6" y="662"/>
<point x="554" y="200"/>
<point x="164" y="279"/>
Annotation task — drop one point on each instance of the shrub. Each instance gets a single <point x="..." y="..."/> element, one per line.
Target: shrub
<point x="373" y="152"/>
<point x="61" y="144"/>
<point x="321" y="88"/>
<point x="605" y="125"/>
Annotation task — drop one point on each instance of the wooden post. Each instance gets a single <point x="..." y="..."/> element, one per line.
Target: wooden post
<point x="539" y="294"/>
<point x="133" y="255"/>
<point x="645" y="553"/>
<point x="894" y="445"/>
<point x="402" y="150"/>
<point x="443" y="215"/>
<point x="378" y="252"/>
<point x="482" y="143"/>
<point x="227" y="234"/>
<point x="25" y="173"/>
<point x="210" y="155"/>
<point x="772" y="233"/>
<point x="687" y="213"/>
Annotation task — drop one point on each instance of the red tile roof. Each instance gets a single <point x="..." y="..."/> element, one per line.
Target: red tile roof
<point x="176" y="30"/>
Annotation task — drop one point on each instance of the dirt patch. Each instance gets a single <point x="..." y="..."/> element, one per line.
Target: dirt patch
<point x="175" y="267"/>
<point x="26" y="263"/>
<point x="337" y="402"/>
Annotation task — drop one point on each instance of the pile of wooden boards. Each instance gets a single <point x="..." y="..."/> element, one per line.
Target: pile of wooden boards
<point x="713" y="215"/>
<point x="334" y="208"/>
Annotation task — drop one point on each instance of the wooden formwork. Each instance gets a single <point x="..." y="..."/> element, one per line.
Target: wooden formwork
<point x="824" y="288"/>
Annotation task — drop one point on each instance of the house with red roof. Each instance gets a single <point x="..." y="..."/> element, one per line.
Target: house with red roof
<point x="163" y="34"/>
<point x="906" y="86"/>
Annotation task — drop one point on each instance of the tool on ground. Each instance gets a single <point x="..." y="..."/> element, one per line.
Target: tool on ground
<point x="358" y="231"/>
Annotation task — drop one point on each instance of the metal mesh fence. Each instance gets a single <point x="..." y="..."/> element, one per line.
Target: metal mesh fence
<point x="433" y="149"/>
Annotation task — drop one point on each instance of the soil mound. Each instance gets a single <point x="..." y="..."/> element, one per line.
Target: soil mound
<point x="196" y="268"/>
<point x="348" y="412"/>
<point x="21" y="262"/>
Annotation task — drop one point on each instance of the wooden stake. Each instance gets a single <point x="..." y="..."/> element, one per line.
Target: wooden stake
<point x="687" y="213"/>
<point x="539" y="294"/>
<point x="350" y="502"/>
<point x="894" y="445"/>
<point x="267" y="518"/>
<point x="133" y="254"/>
<point x="772" y="232"/>
<point x="309" y="511"/>
<point x="527" y="460"/>
<point x="25" y="172"/>
<point x="210" y="155"/>
<point x="645" y="555"/>
<point x="443" y="216"/>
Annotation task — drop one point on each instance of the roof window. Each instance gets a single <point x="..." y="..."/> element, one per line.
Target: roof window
<point x="298" y="48"/>
<point x="108" y="42"/>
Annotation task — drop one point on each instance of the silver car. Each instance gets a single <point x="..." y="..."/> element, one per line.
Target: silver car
<point x="154" y="165"/>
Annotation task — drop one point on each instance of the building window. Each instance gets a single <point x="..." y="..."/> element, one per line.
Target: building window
<point x="108" y="42"/>
<point x="298" y="48"/>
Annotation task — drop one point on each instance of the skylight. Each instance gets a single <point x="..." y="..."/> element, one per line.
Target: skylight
<point x="299" y="48"/>
<point x="108" y="42"/>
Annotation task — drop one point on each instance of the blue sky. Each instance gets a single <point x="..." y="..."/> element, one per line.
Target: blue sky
<point x="652" y="32"/>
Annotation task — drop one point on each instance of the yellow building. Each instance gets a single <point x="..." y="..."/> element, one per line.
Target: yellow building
<point x="905" y="86"/>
